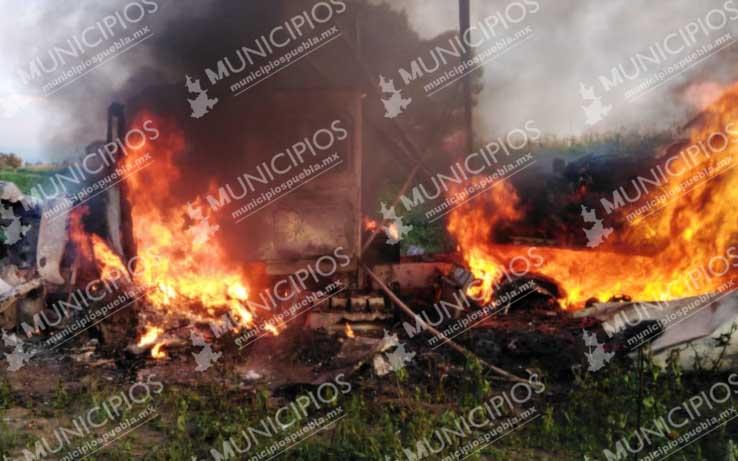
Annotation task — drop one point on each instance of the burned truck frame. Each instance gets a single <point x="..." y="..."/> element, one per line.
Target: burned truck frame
<point x="310" y="219"/>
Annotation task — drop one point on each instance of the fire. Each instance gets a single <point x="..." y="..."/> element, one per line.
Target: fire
<point x="150" y="336"/>
<point x="272" y="328"/>
<point x="111" y="267"/>
<point x="370" y="224"/>
<point x="239" y="292"/>
<point x="349" y="331"/>
<point x="692" y="235"/>
<point x="179" y="260"/>
<point x="93" y="248"/>
<point x="179" y="256"/>
<point x="391" y="227"/>
<point x="157" y="352"/>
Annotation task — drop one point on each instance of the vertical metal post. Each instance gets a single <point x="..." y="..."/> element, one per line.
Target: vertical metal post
<point x="464" y="23"/>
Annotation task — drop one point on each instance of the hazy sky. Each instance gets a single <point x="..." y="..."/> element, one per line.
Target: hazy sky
<point x="29" y="122"/>
<point x="572" y="42"/>
<point x="577" y="41"/>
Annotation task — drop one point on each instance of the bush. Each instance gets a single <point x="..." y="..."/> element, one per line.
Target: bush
<point x="10" y="160"/>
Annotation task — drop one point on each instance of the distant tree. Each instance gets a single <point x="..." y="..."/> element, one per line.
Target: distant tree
<point x="14" y="161"/>
<point x="10" y="160"/>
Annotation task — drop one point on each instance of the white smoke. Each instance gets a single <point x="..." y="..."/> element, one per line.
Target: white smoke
<point x="40" y="125"/>
<point x="575" y="42"/>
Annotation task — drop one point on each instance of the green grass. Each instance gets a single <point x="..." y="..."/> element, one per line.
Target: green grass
<point x="593" y="414"/>
<point x="383" y="417"/>
<point x="625" y="143"/>
<point x="25" y="179"/>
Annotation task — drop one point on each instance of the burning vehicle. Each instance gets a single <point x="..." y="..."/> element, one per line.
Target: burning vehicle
<point x="320" y="207"/>
<point x="176" y="267"/>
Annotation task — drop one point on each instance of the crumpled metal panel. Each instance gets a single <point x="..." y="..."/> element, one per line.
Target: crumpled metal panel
<point x="10" y="192"/>
<point x="52" y="240"/>
<point x="685" y="327"/>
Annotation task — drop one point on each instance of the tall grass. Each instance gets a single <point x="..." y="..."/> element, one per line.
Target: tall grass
<point x="25" y="178"/>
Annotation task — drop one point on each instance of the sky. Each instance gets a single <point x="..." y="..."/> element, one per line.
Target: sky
<point x="572" y="43"/>
<point x="576" y="42"/>
<point x="31" y="120"/>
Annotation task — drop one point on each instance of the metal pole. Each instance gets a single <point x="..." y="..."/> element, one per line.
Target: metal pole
<point x="464" y="24"/>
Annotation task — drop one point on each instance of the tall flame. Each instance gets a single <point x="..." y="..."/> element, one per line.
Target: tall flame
<point x="693" y="233"/>
<point x="179" y="257"/>
<point x="186" y="268"/>
<point x="111" y="266"/>
<point x="93" y="248"/>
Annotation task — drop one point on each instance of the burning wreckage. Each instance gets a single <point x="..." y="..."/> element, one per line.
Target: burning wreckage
<point x="324" y="230"/>
<point x="139" y="268"/>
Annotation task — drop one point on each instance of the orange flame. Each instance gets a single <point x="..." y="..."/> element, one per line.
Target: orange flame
<point x="390" y="227"/>
<point x="150" y="336"/>
<point x="110" y="264"/>
<point x="370" y="224"/>
<point x="272" y="328"/>
<point x="93" y="247"/>
<point x="179" y="256"/>
<point x="694" y="234"/>
<point x="157" y="352"/>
